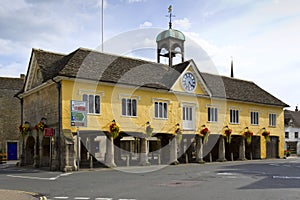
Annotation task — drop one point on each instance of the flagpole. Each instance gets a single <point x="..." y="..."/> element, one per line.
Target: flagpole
<point x="102" y="23"/>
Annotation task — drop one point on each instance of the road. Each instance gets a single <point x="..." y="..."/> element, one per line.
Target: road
<point x="257" y="179"/>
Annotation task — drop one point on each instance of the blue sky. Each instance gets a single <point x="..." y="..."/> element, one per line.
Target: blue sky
<point x="262" y="37"/>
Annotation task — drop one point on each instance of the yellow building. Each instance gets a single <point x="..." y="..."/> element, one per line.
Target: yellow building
<point x="162" y="111"/>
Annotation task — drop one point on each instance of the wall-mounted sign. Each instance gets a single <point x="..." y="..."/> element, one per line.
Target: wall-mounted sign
<point x="78" y="113"/>
<point x="49" y="132"/>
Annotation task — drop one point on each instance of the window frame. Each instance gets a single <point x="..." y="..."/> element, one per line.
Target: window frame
<point x="161" y="109"/>
<point x="234" y="116"/>
<point x="286" y="135"/>
<point x="212" y="114"/>
<point x="272" y="119"/>
<point x="129" y="110"/>
<point x="254" y="118"/>
<point x="91" y="100"/>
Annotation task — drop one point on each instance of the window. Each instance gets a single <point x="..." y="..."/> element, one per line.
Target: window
<point x="234" y="116"/>
<point x="254" y="118"/>
<point x="212" y="114"/>
<point x="129" y="107"/>
<point x="93" y="102"/>
<point x="272" y="119"/>
<point x="296" y="135"/>
<point x="286" y="134"/>
<point x="161" y="110"/>
<point x="187" y="113"/>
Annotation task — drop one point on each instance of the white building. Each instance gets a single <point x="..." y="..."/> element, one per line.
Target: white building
<point x="292" y="130"/>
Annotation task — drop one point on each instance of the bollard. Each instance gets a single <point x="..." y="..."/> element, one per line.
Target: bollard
<point x="91" y="161"/>
<point x="210" y="157"/>
<point x="231" y="154"/>
<point x="127" y="160"/>
<point x="158" y="159"/>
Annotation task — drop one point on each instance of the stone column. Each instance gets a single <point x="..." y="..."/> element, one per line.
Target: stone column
<point x="221" y="149"/>
<point x="199" y="149"/>
<point x="144" y="152"/>
<point x="37" y="151"/>
<point x="22" y="163"/>
<point x="173" y="151"/>
<point x="110" y="157"/>
<point x="242" y="149"/>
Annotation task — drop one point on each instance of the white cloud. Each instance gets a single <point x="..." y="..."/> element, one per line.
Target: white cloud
<point x="146" y="24"/>
<point x="184" y="23"/>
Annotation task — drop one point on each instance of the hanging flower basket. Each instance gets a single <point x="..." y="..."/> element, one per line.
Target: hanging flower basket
<point x="24" y="129"/>
<point x="149" y="130"/>
<point x="39" y="127"/>
<point x="114" y="130"/>
<point x="266" y="134"/>
<point x="228" y="132"/>
<point x="248" y="135"/>
<point x="204" y="133"/>
<point x="178" y="135"/>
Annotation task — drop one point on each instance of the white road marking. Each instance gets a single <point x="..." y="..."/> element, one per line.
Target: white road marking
<point x="60" y="197"/>
<point x="40" y="178"/>
<point x="225" y="173"/>
<point x="286" y="177"/>
<point x="103" y="199"/>
<point x="82" y="198"/>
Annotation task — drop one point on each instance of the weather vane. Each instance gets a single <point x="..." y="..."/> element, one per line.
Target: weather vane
<point x="170" y="16"/>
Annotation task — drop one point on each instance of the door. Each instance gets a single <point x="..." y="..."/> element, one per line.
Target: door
<point x="12" y="150"/>
<point x="188" y="117"/>
<point x="272" y="147"/>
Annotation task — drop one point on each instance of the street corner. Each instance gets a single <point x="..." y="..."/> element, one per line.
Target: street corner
<point x="17" y="194"/>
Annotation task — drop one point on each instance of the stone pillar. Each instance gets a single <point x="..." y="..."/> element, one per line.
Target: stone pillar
<point x="110" y="157"/>
<point x="199" y="149"/>
<point x="37" y="151"/>
<point x="41" y="164"/>
<point x="242" y="149"/>
<point x="173" y="151"/>
<point x="144" y="152"/>
<point x="221" y="149"/>
<point x="22" y="161"/>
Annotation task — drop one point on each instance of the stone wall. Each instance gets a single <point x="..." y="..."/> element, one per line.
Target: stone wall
<point x="10" y="109"/>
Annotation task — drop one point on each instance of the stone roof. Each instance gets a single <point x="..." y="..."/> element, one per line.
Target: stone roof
<point x="94" y="65"/>
<point x="11" y="83"/>
<point x="239" y="90"/>
<point x="292" y="115"/>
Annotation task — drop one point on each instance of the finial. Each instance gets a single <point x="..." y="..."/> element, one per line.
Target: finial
<point x="170" y="15"/>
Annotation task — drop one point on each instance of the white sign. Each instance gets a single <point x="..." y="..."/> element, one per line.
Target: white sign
<point x="78" y="113"/>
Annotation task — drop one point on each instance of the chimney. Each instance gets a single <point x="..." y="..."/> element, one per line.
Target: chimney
<point x="22" y="76"/>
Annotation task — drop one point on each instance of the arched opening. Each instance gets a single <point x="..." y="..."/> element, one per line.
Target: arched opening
<point x="29" y="150"/>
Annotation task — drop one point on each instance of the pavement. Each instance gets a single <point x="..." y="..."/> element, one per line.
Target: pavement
<point x="15" y="194"/>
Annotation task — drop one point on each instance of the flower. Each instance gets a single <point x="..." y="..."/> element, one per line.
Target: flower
<point x="24" y="129"/>
<point x="39" y="126"/>
<point x="114" y="129"/>
<point x="204" y="133"/>
<point x="178" y="134"/>
<point x="266" y="134"/>
<point x="228" y="132"/>
<point x="149" y="129"/>
<point x="248" y="135"/>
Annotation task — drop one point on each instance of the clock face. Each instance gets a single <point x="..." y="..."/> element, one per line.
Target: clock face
<point x="188" y="82"/>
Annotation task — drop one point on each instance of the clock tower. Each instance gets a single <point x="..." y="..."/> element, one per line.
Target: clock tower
<point x="170" y="42"/>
